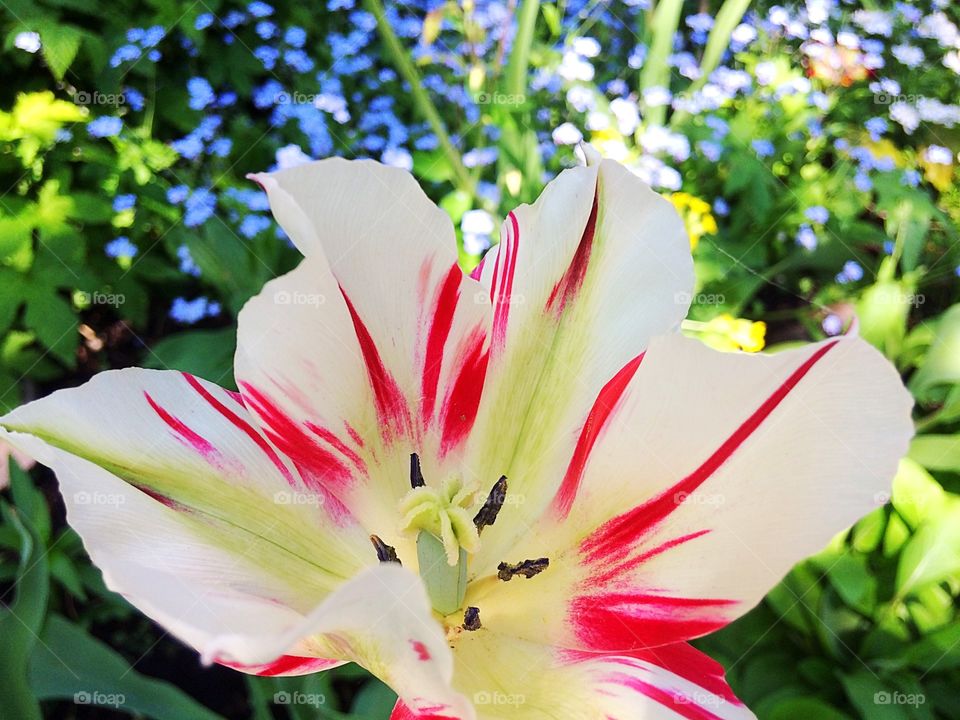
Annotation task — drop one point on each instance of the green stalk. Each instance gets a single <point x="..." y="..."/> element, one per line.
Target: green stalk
<point x="729" y="16"/>
<point x="519" y="63"/>
<point x="421" y="99"/>
<point x="655" y="71"/>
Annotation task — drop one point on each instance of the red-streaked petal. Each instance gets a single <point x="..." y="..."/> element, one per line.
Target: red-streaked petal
<point x="712" y="474"/>
<point x="580" y="282"/>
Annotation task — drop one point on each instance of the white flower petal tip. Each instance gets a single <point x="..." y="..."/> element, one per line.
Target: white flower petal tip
<point x="588" y="155"/>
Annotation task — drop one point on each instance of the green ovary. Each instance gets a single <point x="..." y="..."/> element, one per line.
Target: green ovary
<point x="445" y="535"/>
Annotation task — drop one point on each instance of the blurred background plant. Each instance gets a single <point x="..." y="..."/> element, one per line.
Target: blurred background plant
<point x="810" y="148"/>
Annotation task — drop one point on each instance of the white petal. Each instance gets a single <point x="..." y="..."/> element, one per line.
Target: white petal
<point x="579" y="284"/>
<point x="712" y="474"/>
<point x="376" y="341"/>
<point x="509" y="678"/>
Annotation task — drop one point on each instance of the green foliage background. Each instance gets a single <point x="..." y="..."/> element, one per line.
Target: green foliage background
<point x="873" y="615"/>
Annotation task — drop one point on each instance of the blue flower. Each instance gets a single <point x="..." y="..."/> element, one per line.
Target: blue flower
<point x="806" y="237"/>
<point x="233" y="18"/>
<point x="189" y="312"/>
<point x="397" y="157"/>
<point x="189" y="147"/>
<point x="177" y="194"/>
<point x="876" y="126"/>
<point x="817" y="214"/>
<point x="105" y="126"/>
<point x="267" y="94"/>
<point x="199" y="207"/>
<point x="851" y="272"/>
<point x="187" y="265"/>
<point x="267" y="55"/>
<point x="480" y="157"/>
<point x="720" y="207"/>
<point x="124" y="202"/>
<point x="134" y="99"/>
<point x="832" y="324"/>
<point x="259" y="9"/>
<point x="152" y="36"/>
<point x="862" y="181"/>
<point x="120" y="247"/>
<point x="910" y="177"/>
<point x="201" y="93"/>
<point x="295" y="36"/>
<point x="298" y="60"/>
<point x="710" y="150"/>
<point x="253" y="225"/>
<point x="203" y="21"/>
<point x="221" y="147"/>
<point x="763" y="148"/>
<point x="266" y="29"/>
<point x="124" y="53"/>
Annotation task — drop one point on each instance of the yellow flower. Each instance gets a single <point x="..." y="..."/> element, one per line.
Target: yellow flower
<point x="696" y="215"/>
<point x="728" y="333"/>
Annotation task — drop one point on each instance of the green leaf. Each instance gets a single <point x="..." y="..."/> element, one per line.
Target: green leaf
<point x="60" y="45"/>
<point x="374" y="701"/>
<point x="942" y="364"/>
<point x="52" y="319"/>
<point x="916" y="495"/>
<point x="883" y="310"/>
<point x="852" y="580"/>
<point x="21" y="620"/>
<point x="872" y="697"/>
<point x="205" y="353"/>
<point x="805" y="708"/>
<point x="931" y="554"/>
<point x="72" y="665"/>
<point x="937" y="452"/>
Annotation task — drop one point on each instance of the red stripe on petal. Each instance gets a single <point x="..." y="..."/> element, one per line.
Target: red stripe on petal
<point x="241" y="424"/>
<point x="607" y="400"/>
<point x="321" y="469"/>
<point x="679" y="702"/>
<point x="185" y="434"/>
<point x="621" y="620"/>
<point x="402" y="712"/>
<point x="503" y="299"/>
<point x="285" y="665"/>
<point x="687" y="662"/>
<point x="477" y="272"/>
<point x="391" y="405"/>
<point x="605" y="574"/>
<point x="445" y="306"/>
<point x="616" y="538"/>
<point x="463" y="401"/>
<point x="569" y="285"/>
<point x="338" y="445"/>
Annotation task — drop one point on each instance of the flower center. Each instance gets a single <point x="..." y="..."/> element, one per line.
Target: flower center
<point x="446" y="533"/>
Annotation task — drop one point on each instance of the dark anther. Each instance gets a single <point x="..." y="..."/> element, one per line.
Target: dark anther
<point x="471" y="618"/>
<point x="491" y="508"/>
<point x="385" y="553"/>
<point x="416" y="475"/>
<point x="527" y="568"/>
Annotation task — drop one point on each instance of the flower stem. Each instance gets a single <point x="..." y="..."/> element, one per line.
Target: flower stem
<point x="408" y="70"/>
<point x="519" y="62"/>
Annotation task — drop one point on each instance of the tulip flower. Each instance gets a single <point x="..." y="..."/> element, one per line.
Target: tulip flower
<point x="513" y="494"/>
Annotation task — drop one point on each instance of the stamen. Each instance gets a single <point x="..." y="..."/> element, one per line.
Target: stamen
<point x="385" y="553"/>
<point x="471" y="618"/>
<point x="527" y="568"/>
<point x="416" y="474"/>
<point x="491" y="508"/>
